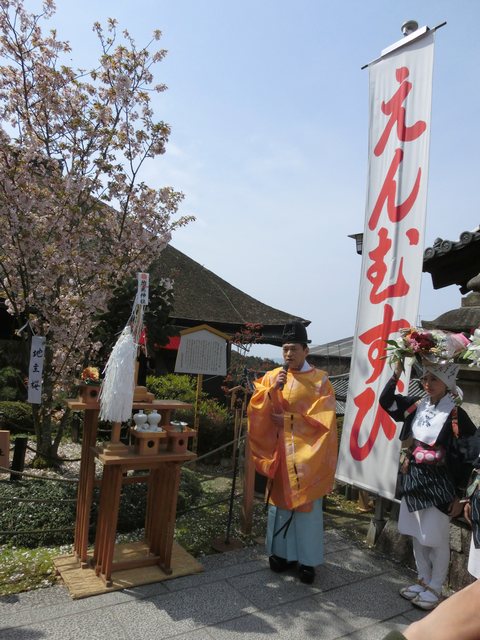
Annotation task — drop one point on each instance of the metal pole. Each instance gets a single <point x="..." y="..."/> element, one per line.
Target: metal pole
<point x="227" y="543"/>
<point x="240" y="413"/>
<point x="377" y="523"/>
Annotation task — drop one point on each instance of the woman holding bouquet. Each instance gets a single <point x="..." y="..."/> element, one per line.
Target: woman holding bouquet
<point x="433" y="470"/>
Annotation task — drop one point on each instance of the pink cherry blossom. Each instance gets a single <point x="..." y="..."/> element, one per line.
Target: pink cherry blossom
<point x="76" y="220"/>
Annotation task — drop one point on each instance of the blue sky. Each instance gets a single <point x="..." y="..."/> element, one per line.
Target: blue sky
<point x="269" y="113"/>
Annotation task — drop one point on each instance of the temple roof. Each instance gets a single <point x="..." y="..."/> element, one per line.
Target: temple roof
<point x="336" y="349"/>
<point x="200" y="296"/>
<point x="450" y="262"/>
<point x="340" y="385"/>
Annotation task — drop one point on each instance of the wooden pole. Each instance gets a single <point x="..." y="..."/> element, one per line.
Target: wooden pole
<point x="196" y="419"/>
<point x="5" y="448"/>
<point x="19" y="451"/>
<point x="116" y="431"/>
<point x="115" y="446"/>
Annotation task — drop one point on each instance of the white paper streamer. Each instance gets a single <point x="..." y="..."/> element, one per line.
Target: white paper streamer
<point x="118" y="386"/>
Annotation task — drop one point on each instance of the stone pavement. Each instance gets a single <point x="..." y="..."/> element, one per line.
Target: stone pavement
<point x="354" y="596"/>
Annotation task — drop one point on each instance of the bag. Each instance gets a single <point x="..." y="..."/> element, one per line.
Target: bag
<point x="429" y="455"/>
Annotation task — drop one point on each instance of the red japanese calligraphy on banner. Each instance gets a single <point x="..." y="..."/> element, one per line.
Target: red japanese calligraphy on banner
<point x="400" y="99"/>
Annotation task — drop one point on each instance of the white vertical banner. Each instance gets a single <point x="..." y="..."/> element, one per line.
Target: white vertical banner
<point x="400" y="89"/>
<point x="35" y="369"/>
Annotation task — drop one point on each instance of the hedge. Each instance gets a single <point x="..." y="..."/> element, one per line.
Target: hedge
<point x="59" y="511"/>
<point x="17" y="416"/>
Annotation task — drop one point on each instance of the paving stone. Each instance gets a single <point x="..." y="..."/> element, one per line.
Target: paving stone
<point x="70" y="627"/>
<point x="182" y="611"/>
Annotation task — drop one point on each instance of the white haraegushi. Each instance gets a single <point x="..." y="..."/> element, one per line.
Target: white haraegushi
<point x="118" y="386"/>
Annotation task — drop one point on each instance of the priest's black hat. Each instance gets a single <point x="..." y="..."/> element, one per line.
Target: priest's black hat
<point x="294" y="333"/>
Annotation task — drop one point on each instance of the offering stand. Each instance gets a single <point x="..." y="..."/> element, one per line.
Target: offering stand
<point x="164" y="464"/>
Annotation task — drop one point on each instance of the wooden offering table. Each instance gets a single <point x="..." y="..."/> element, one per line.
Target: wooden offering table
<point x="117" y="458"/>
<point x="163" y="483"/>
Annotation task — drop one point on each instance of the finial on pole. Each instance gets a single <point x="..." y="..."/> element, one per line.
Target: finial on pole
<point x="409" y="27"/>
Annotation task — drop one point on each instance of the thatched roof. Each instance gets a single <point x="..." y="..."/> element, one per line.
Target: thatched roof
<point x="200" y="297"/>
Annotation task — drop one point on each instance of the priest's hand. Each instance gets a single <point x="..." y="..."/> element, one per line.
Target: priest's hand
<point x="277" y="419"/>
<point x="281" y="379"/>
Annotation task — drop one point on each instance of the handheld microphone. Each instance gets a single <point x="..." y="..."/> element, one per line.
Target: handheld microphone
<point x="285" y="368"/>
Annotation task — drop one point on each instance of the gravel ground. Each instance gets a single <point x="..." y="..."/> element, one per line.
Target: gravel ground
<point x="69" y="451"/>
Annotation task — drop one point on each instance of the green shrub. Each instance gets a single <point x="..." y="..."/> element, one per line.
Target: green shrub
<point x="133" y="502"/>
<point x="17" y="417"/>
<point x="173" y="386"/>
<point x="58" y="510"/>
<point x="190" y="491"/>
<point x="215" y="428"/>
<point x="12" y="385"/>
<point x="18" y="515"/>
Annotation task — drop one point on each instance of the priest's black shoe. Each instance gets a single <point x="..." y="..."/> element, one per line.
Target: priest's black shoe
<point x="278" y="564"/>
<point x="306" y="574"/>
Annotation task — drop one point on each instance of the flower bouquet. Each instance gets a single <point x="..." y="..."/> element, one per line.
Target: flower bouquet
<point x="472" y="352"/>
<point x="89" y="386"/>
<point x="435" y="346"/>
<point x="90" y="375"/>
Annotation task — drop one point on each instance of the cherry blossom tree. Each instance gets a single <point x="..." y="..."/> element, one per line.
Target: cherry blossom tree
<point x="75" y="218"/>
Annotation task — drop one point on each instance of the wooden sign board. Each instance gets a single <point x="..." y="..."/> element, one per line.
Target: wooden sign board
<point x="202" y="350"/>
<point x="4" y="449"/>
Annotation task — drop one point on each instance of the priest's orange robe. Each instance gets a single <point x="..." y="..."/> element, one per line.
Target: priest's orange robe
<point x="293" y="436"/>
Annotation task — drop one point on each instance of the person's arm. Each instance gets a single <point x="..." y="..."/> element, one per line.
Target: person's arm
<point x="393" y="403"/>
<point x="461" y="452"/>
<point x="468" y="443"/>
<point x="321" y="412"/>
<point x="265" y="421"/>
<point x="467" y="428"/>
<point x="457" y="617"/>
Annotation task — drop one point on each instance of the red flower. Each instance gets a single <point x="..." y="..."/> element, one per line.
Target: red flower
<point x="420" y="341"/>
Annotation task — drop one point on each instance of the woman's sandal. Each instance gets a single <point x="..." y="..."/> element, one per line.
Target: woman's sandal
<point x="411" y="592"/>
<point x="427" y="604"/>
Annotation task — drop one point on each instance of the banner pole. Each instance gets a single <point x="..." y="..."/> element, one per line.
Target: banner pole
<point x="409" y="37"/>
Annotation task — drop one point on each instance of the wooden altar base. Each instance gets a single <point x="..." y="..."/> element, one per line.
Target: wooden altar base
<point x="83" y="583"/>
